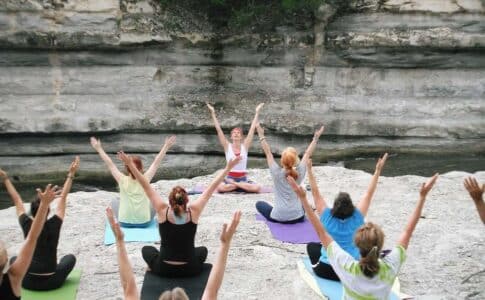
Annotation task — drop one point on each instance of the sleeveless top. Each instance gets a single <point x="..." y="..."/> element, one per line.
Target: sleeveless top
<point x="134" y="204"/>
<point x="44" y="259"/>
<point x="342" y="231"/>
<point x="177" y="240"/>
<point x="241" y="165"/>
<point x="6" y="292"/>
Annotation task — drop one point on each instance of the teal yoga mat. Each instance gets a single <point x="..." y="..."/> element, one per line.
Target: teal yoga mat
<point x="67" y="291"/>
<point x="146" y="234"/>
<point x="328" y="289"/>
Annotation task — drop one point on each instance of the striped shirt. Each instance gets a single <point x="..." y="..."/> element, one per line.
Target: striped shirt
<point x="356" y="285"/>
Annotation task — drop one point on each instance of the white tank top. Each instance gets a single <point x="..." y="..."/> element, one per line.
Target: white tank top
<point x="241" y="165"/>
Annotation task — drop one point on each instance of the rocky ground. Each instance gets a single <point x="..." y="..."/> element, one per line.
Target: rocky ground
<point x="445" y="258"/>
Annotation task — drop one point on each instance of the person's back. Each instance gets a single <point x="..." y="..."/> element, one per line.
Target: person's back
<point x="45" y="255"/>
<point x="134" y="205"/>
<point x="287" y="206"/>
<point x="177" y="240"/>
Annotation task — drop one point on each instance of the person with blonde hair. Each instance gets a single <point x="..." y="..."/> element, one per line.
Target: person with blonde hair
<point x="133" y="208"/>
<point x="177" y="224"/>
<point x="371" y="277"/>
<point x="13" y="274"/>
<point x="236" y="179"/>
<point x="214" y="282"/>
<point x="287" y="209"/>
<point x="44" y="272"/>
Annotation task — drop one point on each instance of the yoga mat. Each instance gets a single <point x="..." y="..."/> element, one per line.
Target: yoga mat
<point x="67" y="291"/>
<point x="147" y="234"/>
<point x="199" y="189"/>
<point x="298" y="233"/>
<point x="154" y="285"/>
<point x="329" y="289"/>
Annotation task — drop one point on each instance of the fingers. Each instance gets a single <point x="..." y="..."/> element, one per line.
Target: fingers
<point x="432" y="181"/>
<point x="383" y="158"/>
<point x="236" y="217"/>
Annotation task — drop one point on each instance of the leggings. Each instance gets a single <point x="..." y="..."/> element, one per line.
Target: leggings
<point x="265" y="209"/>
<point x="321" y="269"/>
<point x="156" y="263"/>
<point x="50" y="282"/>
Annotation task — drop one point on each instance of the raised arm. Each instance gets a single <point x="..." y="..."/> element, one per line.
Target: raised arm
<point x="17" y="200"/>
<point x="364" y="203"/>
<point x="217" y="272"/>
<point x="198" y="205"/>
<point x="61" y="207"/>
<point x="127" y="278"/>
<point x="414" y="218"/>
<point x="320" y="202"/>
<point x="220" y="133"/>
<point x="169" y="142"/>
<point x="476" y="193"/>
<point x="265" y="145"/>
<point x="107" y="160"/>
<point x="324" y="237"/>
<point x="155" y="198"/>
<point x="312" y="145"/>
<point x="19" y="268"/>
<point x="249" y="138"/>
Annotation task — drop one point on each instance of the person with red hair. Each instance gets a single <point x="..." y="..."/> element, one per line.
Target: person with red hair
<point x="133" y="208"/>
<point x="287" y="209"/>
<point x="237" y="180"/>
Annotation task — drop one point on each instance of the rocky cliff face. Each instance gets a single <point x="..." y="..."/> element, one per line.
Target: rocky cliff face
<point x="399" y="75"/>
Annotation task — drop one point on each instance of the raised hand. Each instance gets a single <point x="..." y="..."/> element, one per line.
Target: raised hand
<point x="95" y="143"/>
<point x="3" y="175"/>
<point x="48" y="194"/>
<point x="211" y="108"/>
<point x="74" y="166"/>
<point x="381" y="162"/>
<point x="426" y="187"/>
<point x="124" y="157"/>
<point x="299" y="190"/>
<point x="115" y="226"/>
<point x="228" y="231"/>
<point x="170" y="141"/>
<point x="260" y="130"/>
<point x="258" y="108"/>
<point x="318" y="132"/>
<point x="474" y="189"/>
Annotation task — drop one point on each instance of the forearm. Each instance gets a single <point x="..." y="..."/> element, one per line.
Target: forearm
<point x="480" y="205"/>
<point x="412" y="222"/>
<point x="310" y="149"/>
<point x="16" y="199"/>
<point x="65" y="191"/>
<point x="322" y="234"/>
<point x="150" y="173"/>
<point x="364" y="203"/>
<point x="317" y="198"/>
<point x="217" y="274"/>
<point x="220" y="133"/>
<point x="219" y="178"/>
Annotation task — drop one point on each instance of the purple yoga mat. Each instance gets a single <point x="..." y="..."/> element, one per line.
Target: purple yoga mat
<point x="298" y="233"/>
<point x="199" y="189"/>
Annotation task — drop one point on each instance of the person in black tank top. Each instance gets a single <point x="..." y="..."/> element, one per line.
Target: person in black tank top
<point x="11" y="281"/>
<point x="178" y="255"/>
<point x="214" y="282"/>
<point x="44" y="273"/>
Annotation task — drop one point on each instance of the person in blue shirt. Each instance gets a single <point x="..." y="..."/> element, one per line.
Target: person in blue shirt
<point x="341" y="221"/>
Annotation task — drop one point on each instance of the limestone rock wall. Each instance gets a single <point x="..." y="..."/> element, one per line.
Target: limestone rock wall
<point x="378" y="74"/>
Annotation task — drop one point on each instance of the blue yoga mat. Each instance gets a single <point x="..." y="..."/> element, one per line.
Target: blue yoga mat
<point x="146" y="234"/>
<point x="328" y="289"/>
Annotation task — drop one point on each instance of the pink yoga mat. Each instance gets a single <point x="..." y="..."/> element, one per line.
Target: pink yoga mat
<point x="298" y="233"/>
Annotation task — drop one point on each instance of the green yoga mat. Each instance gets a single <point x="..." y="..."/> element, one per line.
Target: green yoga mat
<point x="67" y="291"/>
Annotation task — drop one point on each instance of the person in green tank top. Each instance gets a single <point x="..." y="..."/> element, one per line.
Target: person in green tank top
<point x="133" y="208"/>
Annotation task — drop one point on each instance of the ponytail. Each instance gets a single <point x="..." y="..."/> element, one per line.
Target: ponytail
<point x="289" y="159"/>
<point x="369" y="264"/>
<point x="178" y="200"/>
<point x="369" y="238"/>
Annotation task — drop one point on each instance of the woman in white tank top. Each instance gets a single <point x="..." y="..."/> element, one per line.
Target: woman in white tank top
<point x="237" y="179"/>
